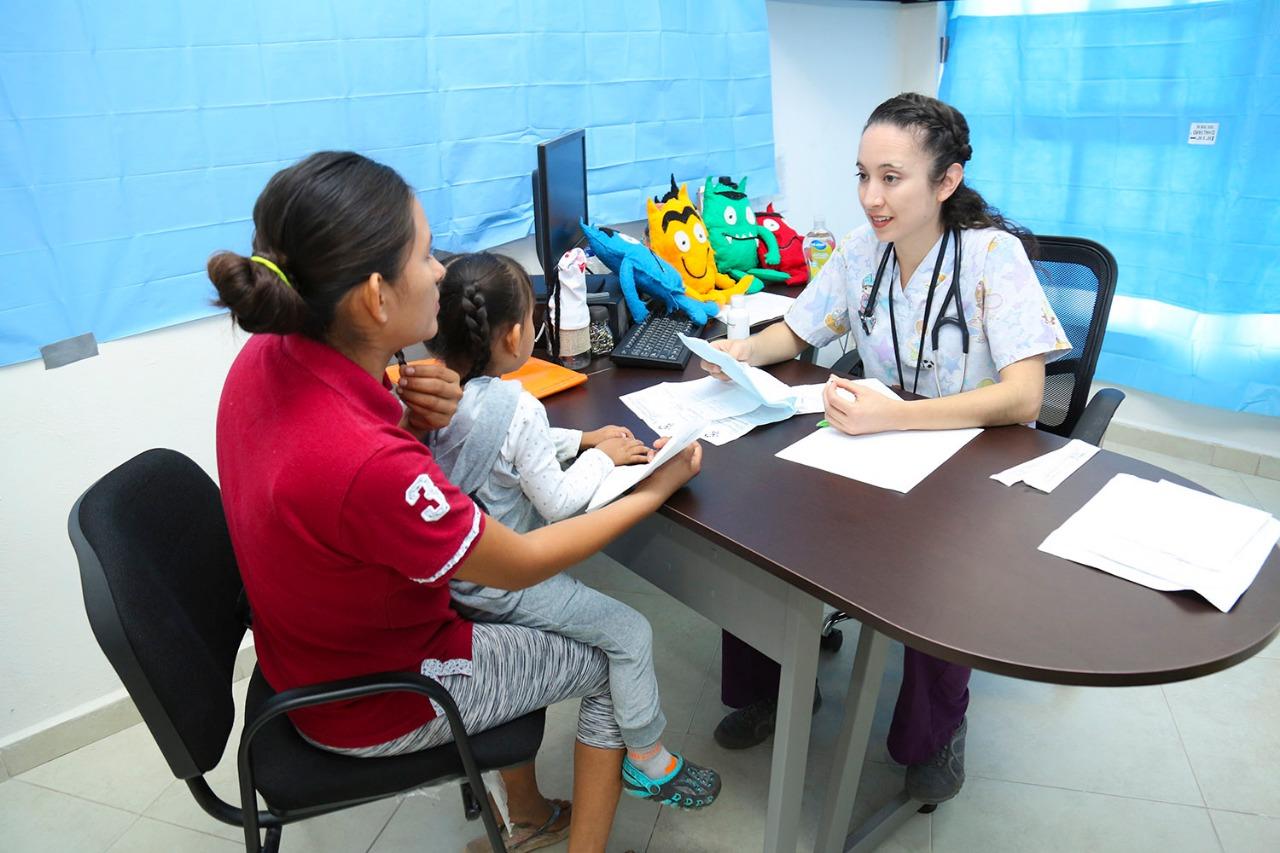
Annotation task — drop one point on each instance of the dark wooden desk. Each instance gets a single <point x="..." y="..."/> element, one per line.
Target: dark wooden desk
<point x="951" y="568"/>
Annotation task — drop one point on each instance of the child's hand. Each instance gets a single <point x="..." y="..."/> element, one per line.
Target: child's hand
<point x="432" y="392"/>
<point x="592" y="438"/>
<point x="625" y="450"/>
<point x="675" y="472"/>
<point x="853" y="409"/>
<point x="739" y="349"/>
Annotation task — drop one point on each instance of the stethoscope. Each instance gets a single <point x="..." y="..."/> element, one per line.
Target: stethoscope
<point x="867" y="310"/>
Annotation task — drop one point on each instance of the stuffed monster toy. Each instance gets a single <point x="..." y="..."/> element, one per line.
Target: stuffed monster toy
<point x="735" y="234"/>
<point x="790" y="247"/>
<point x="640" y="270"/>
<point x="678" y="236"/>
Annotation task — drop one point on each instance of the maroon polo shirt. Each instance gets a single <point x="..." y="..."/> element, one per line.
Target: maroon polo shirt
<point x="346" y="534"/>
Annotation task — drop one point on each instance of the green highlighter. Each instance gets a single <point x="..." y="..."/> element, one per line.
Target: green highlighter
<point x="824" y="423"/>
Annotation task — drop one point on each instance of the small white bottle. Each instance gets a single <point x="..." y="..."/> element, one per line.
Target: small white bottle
<point x="818" y="246"/>
<point x="737" y="318"/>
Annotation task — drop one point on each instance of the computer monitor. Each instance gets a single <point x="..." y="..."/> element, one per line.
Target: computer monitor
<point x="559" y="203"/>
<point x="560" y="196"/>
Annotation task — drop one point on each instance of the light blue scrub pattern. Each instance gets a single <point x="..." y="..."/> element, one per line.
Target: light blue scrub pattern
<point x="1005" y="308"/>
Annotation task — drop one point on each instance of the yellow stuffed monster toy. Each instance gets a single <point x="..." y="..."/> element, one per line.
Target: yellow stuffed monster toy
<point x="678" y="236"/>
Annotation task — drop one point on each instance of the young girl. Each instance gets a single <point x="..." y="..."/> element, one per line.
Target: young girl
<point x="500" y="449"/>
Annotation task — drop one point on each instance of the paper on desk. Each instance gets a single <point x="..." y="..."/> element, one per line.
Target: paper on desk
<point x="1168" y="537"/>
<point x="890" y="460"/>
<point x="1047" y="472"/>
<point x="624" y="477"/>
<point x="809" y="398"/>
<point x="766" y="306"/>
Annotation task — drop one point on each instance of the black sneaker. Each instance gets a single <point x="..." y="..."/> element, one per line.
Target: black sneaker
<point x="941" y="777"/>
<point x="746" y="727"/>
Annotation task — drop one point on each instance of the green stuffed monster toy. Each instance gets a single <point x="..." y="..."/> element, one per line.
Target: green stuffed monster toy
<point x="734" y="234"/>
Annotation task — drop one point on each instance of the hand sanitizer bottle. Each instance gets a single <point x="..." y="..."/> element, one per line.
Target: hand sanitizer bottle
<point x="818" y="246"/>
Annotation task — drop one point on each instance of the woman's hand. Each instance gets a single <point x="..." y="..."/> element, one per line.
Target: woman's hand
<point x="431" y="392"/>
<point x="855" y="410"/>
<point x="674" y="473"/>
<point x="593" y="438"/>
<point x="739" y="349"/>
<point x="625" y="450"/>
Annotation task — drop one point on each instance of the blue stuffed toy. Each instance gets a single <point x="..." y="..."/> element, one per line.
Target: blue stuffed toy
<point x="641" y="271"/>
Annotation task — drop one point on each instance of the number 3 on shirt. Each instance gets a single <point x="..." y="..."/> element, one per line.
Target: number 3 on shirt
<point x="436" y="507"/>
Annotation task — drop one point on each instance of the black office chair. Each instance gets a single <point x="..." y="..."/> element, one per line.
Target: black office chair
<point x="1079" y="280"/>
<point x="165" y="602"/>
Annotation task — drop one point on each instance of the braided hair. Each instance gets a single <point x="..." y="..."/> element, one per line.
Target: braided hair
<point x="482" y="295"/>
<point x="943" y="132"/>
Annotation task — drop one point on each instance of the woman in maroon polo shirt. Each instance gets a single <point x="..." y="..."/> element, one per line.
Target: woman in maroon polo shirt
<point x="345" y="530"/>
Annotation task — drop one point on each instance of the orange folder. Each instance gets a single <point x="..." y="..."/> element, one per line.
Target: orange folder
<point x="540" y="378"/>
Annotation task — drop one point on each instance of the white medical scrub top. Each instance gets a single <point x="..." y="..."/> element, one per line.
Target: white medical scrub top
<point x="1005" y="309"/>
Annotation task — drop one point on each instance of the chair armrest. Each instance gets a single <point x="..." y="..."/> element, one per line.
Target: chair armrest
<point x="849" y="364"/>
<point x="1097" y="415"/>
<point x="350" y="688"/>
<point x="353" y="688"/>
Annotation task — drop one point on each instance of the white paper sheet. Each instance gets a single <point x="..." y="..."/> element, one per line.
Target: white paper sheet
<point x="890" y="460"/>
<point x="768" y="390"/>
<point x="624" y="477"/>
<point x="1168" y="537"/>
<point x="1047" y="472"/>
<point x="767" y="306"/>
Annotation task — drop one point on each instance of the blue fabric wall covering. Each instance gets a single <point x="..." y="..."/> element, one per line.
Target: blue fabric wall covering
<point x="134" y="137"/>
<point x="1080" y="125"/>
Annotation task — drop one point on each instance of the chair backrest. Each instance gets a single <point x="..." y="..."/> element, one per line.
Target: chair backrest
<point x="1079" y="279"/>
<point x="161" y="589"/>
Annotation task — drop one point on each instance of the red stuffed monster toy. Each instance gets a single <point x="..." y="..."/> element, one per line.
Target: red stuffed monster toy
<point x="790" y="247"/>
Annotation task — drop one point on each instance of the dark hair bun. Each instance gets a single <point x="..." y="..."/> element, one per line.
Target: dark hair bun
<point x="259" y="299"/>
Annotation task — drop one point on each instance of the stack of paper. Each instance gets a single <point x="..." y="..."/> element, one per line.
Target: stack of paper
<point x="730" y="409"/>
<point x="1169" y="537"/>
<point x="623" y="477"/>
<point x="1047" y="472"/>
<point x="890" y="460"/>
<point x="766" y="306"/>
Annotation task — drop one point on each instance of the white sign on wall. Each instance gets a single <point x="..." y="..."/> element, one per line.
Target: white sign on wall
<point x="1203" y="133"/>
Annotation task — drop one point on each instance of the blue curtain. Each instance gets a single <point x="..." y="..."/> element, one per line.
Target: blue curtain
<point x="1080" y="126"/>
<point x="134" y="137"/>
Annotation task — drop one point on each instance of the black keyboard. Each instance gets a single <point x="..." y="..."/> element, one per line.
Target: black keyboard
<point x="653" y="343"/>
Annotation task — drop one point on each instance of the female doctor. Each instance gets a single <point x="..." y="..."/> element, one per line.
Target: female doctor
<point x="942" y="301"/>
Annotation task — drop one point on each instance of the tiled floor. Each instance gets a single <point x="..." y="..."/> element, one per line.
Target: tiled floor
<point x="1183" y="767"/>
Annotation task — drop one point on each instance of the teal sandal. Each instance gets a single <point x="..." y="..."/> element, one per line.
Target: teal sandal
<point x="688" y="786"/>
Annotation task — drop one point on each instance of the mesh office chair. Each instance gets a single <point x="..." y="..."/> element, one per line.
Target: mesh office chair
<point x="165" y="602"/>
<point x="1079" y="280"/>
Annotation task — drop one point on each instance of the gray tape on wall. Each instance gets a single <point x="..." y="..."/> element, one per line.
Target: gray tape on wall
<point x="64" y="352"/>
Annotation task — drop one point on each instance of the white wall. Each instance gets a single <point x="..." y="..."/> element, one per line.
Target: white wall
<point x="62" y="429"/>
<point x="833" y="62"/>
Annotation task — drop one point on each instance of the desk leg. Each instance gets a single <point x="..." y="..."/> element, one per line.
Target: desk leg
<point x="850" y="755"/>
<point x="795" y="713"/>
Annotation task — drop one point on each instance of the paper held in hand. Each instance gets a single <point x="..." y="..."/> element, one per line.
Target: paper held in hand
<point x="624" y="477"/>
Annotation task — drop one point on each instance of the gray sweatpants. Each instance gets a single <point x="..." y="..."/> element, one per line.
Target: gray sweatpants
<point x="570" y="608"/>
<point x="516" y="670"/>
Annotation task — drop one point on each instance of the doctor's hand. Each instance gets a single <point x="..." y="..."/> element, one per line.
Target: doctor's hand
<point x="431" y="392"/>
<point x="855" y="410"/>
<point x="739" y="349"/>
